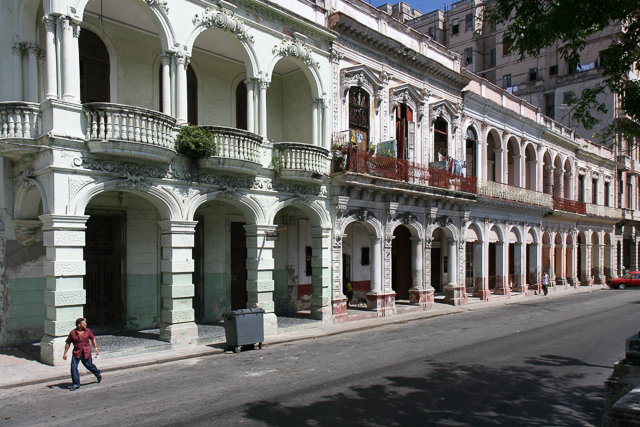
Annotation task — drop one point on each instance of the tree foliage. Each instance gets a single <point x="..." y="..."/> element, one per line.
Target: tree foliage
<point x="533" y="25"/>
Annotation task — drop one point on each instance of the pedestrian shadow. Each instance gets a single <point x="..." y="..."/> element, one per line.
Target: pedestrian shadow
<point x="62" y="386"/>
<point x="558" y="361"/>
<point x="443" y="395"/>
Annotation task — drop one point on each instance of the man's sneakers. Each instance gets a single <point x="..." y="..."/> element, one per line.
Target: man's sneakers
<point x="99" y="379"/>
<point x="74" y="388"/>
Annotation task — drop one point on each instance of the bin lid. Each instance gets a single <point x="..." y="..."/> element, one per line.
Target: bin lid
<point x="244" y="311"/>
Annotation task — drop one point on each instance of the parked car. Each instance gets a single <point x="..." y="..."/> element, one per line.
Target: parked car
<point x="631" y="278"/>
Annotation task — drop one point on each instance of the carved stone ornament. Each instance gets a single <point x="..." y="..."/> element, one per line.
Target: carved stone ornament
<point x="443" y="221"/>
<point x="407" y="218"/>
<point x="357" y="79"/>
<point x="336" y="55"/>
<point x="296" y="48"/>
<point x="160" y="4"/>
<point x="224" y="18"/>
<point x="362" y="214"/>
<point x="24" y="179"/>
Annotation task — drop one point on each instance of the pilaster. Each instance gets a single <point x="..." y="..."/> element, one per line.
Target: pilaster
<point x="64" y="269"/>
<point x="321" y="274"/>
<point x="178" y="317"/>
<point x="260" y="264"/>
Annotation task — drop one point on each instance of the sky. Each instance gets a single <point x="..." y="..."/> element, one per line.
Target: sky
<point x="422" y="5"/>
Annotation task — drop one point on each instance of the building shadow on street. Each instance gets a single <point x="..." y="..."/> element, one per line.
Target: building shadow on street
<point x="447" y="395"/>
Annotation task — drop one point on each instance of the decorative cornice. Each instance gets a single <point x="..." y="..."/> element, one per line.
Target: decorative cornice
<point x="296" y="47"/>
<point x="224" y="18"/>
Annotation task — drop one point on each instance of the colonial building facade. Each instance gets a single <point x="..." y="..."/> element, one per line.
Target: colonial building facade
<point x="347" y="147"/>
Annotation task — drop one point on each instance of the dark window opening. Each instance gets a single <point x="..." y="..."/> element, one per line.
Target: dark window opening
<point x="440" y="140"/>
<point x="364" y="256"/>
<point x="581" y="182"/>
<point x="454" y="27"/>
<point x="594" y="191"/>
<point x="492" y="57"/>
<point x="404" y="130"/>
<point x="468" y="22"/>
<point x="506" y="81"/>
<point x="468" y="56"/>
<point x="241" y="106"/>
<point x="359" y="117"/>
<point x="308" y="268"/>
<point x="607" y="193"/>
<point x="533" y="74"/>
<point x="553" y="70"/>
<point x="94" y="68"/>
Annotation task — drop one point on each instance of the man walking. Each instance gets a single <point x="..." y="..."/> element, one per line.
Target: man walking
<point x="81" y="337"/>
<point x="545" y="283"/>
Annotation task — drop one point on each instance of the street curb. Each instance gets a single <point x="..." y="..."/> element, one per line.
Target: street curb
<point x="421" y="315"/>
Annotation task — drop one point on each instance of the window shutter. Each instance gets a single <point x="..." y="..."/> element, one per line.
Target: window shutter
<point x="412" y="134"/>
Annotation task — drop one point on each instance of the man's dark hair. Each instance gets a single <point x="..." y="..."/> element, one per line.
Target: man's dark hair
<point x="80" y="320"/>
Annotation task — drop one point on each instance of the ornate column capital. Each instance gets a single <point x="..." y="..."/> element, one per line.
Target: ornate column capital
<point x="17" y="49"/>
<point x="263" y="83"/>
<point x="250" y="83"/>
<point x="49" y="21"/>
<point x="166" y="58"/>
<point x="182" y="59"/>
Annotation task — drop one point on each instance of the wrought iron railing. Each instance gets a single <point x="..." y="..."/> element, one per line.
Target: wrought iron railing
<point x="569" y="205"/>
<point x="402" y="170"/>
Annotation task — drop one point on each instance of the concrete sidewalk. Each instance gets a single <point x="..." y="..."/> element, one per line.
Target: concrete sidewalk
<point x="18" y="369"/>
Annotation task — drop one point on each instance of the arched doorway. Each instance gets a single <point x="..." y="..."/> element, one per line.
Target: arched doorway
<point x="440" y="140"/>
<point x="471" y="143"/>
<point x="494" y="157"/>
<point x="475" y="280"/>
<point x="547" y="173"/>
<point x="516" y="261"/>
<point x="559" y="263"/>
<point x="289" y="98"/>
<point x="531" y="165"/>
<point x="596" y="266"/>
<point x="547" y="253"/>
<point x="533" y="267"/>
<point x="401" y="258"/>
<point x="95" y="69"/>
<point x="513" y="162"/>
<point x="358" y="263"/>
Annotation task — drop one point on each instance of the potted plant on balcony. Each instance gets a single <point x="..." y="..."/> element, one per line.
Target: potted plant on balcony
<point x="196" y="142"/>
<point x="340" y="153"/>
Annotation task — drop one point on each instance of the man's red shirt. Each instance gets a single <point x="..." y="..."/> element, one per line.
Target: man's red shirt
<point x="81" y="346"/>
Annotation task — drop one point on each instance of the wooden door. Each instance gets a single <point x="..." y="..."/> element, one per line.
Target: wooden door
<point x="103" y="281"/>
<point x="401" y="271"/>
<point x="238" y="266"/>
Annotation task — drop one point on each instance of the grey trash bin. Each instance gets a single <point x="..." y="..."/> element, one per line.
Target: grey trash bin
<point x="244" y="327"/>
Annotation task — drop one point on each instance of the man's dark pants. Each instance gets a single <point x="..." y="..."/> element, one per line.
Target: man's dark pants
<point x="75" y="376"/>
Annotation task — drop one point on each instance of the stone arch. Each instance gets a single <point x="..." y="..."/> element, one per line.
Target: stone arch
<point x="477" y="236"/>
<point x="233" y="29"/>
<point x="27" y="20"/>
<point x="514" y="173"/>
<point x="531" y="235"/>
<point x="165" y="202"/>
<point x="309" y="69"/>
<point x="494" y="156"/>
<point x="371" y="223"/>
<point x="472" y="135"/>
<point x="409" y="221"/>
<point x="496" y="234"/>
<point x="515" y="234"/>
<point x="155" y="11"/>
<point x="568" y="177"/>
<point x="28" y="198"/>
<point x="250" y="208"/>
<point x="547" y="172"/>
<point x="530" y="166"/>
<point x="316" y="212"/>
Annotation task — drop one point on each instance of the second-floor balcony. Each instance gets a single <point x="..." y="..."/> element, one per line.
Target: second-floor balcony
<point x="20" y="125"/>
<point x="296" y="161"/>
<point x="567" y="205"/>
<point x="236" y="150"/>
<point x="402" y="170"/>
<point x="126" y="131"/>
<point x="498" y="190"/>
<point x="604" y="211"/>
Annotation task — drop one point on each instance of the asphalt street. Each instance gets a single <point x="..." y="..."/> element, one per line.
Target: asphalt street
<point x="541" y="362"/>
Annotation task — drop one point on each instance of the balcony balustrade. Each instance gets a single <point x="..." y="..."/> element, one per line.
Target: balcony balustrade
<point x="516" y="194"/>
<point x="402" y="170"/>
<point x="301" y="162"/>
<point x="236" y="150"/>
<point x="604" y="211"/>
<point x="20" y="124"/>
<point x="126" y="131"/>
<point x="569" y="205"/>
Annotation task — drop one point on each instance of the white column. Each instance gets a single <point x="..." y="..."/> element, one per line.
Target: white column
<point x="51" y="63"/>
<point x="17" y="71"/>
<point x="453" y="262"/>
<point x="416" y="266"/>
<point x="321" y="273"/>
<point x="166" y="82"/>
<point x="33" y="72"/>
<point x="68" y="61"/>
<point x="262" y="111"/>
<point x="376" y="265"/>
<point x="314" y="122"/>
<point x="251" y="118"/>
<point x="479" y="160"/>
<point x="75" y="54"/>
<point x="182" y="62"/>
<point x="327" y="120"/>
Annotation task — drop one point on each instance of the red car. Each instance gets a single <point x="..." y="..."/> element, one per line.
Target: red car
<point x="632" y="278"/>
